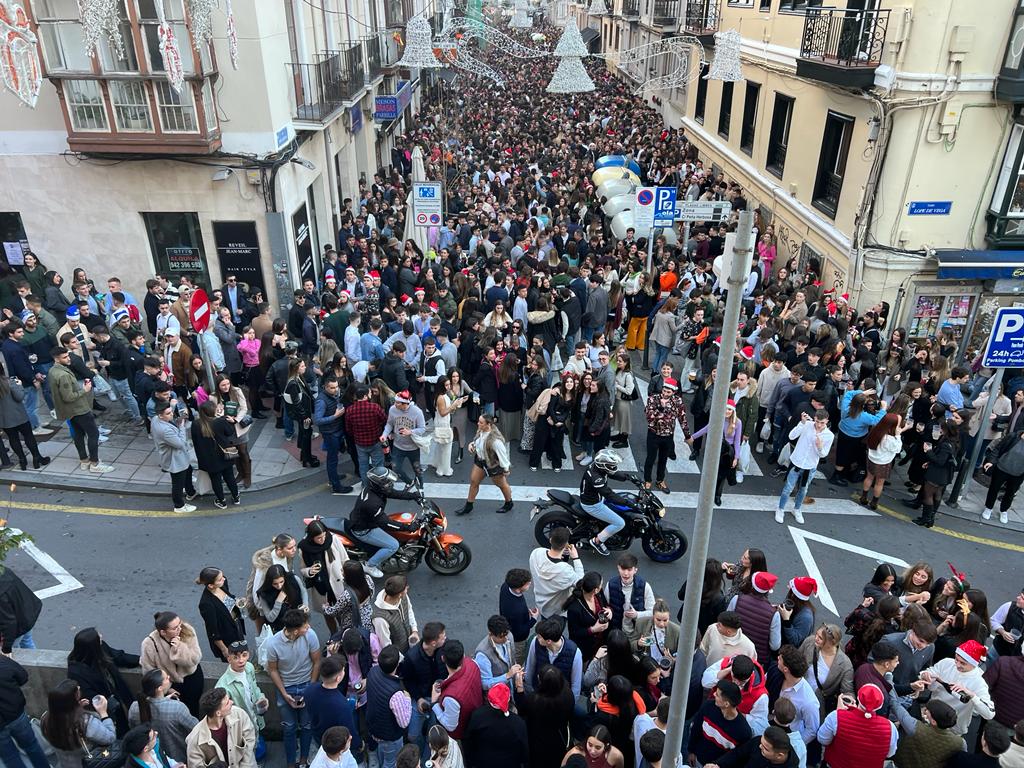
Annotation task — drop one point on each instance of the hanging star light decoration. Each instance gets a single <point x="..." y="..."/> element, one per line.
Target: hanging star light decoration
<point x="169" y="50"/>
<point x="200" y="14"/>
<point x="19" y="54"/>
<point x="726" y="64"/>
<point x="570" y="76"/>
<point x="419" y="49"/>
<point x="598" y="8"/>
<point x="232" y="34"/>
<point x="101" y="19"/>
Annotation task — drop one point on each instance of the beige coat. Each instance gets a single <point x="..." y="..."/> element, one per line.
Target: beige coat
<point x="204" y="751"/>
<point x="178" y="661"/>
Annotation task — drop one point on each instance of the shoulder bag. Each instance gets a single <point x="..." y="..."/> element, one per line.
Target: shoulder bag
<point x="635" y="394"/>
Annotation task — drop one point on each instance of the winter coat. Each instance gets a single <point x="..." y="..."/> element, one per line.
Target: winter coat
<point x="171" y="445"/>
<point x="210" y="450"/>
<point x="746" y="410"/>
<point x="19" y="608"/>
<point x="665" y="329"/>
<point x="203" y="749"/>
<point x="228" y="339"/>
<point x="69" y="398"/>
<point x="178" y="661"/>
<point x="12" y="412"/>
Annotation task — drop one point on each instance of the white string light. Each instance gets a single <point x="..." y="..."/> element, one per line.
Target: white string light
<point x="200" y="13"/>
<point x="726" y="64"/>
<point x="101" y="19"/>
<point x="419" y="49"/>
<point x="598" y="8"/>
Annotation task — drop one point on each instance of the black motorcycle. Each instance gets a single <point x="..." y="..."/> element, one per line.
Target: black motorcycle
<point x="643" y="515"/>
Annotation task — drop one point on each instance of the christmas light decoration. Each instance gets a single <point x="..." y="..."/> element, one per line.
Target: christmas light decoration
<point x="636" y="62"/>
<point x="232" y="34"/>
<point x="726" y="64"/>
<point x="472" y="29"/>
<point x="419" y="49"/>
<point x="101" y="19"/>
<point x="200" y="16"/>
<point x="19" y="54"/>
<point x="570" y="76"/>
<point x="169" y="51"/>
<point x="598" y="8"/>
<point x="520" y="19"/>
<point x="571" y="42"/>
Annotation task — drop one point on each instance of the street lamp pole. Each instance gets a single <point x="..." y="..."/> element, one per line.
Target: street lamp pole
<point x="737" y="281"/>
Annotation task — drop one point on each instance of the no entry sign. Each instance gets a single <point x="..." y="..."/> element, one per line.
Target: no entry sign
<point x="199" y="310"/>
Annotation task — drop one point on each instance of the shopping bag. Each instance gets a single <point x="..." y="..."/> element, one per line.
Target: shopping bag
<point x="784" y="455"/>
<point x="261" y="645"/>
<point x="744" y="456"/>
<point x="766" y="430"/>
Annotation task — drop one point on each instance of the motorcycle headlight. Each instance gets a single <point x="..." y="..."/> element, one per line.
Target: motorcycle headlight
<point x="661" y="512"/>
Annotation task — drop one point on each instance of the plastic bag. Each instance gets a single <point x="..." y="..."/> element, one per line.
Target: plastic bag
<point x="744" y="456"/>
<point x="261" y="645"/>
<point x="784" y="455"/>
<point x="766" y="430"/>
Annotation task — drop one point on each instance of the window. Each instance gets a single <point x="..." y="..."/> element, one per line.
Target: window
<point x="725" y="111"/>
<point x="177" y="244"/>
<point x="749" y="117"/>
<point x="175" y="14"/>
<point x="86" y="106"/>
<point x="209" y="106"/>
<point x="131" y="105"/>
<point x="177" y="112"/>
<point x="701" y="101"/>
<point x="289" y="21"/>
<point x="835" y="147"/>
<point x="778" y="140"/>
<point x="798" y="5"/>
<point x="64" y="47"/>
<point x="765" y="6"/>
<point x="741" y="3"/>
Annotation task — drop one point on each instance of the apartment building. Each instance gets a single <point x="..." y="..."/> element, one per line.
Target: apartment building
<point x="244" y="171"/>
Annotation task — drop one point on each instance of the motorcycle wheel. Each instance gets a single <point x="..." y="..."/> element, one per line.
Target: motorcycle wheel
<point x="456" y="561"/>
<point x="547" y="522"/>
<point x="665" y="545"/>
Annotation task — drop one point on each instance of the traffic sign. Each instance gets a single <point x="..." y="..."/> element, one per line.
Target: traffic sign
<point x="427" y="202"/>
<point x="1006" y="344"/>
<point x="199" y="310"/>
<point x="664" y="206"/>
<point x="703" y="210"/>
<point x="643" y="211"/>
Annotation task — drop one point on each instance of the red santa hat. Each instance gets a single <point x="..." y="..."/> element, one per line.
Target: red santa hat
<point x="747" y="353"/>
<point x="344" y="293"/>
<point x="406" y="299"/>
<point x="804" y="587"/>
<point x="670" y="384"/>
<point x="718" y="341"/>
<point x="419" y="289"/>
<point x="499" y="696"/>
<point x="972" y="652"/>
<point x="403" y="397"/>
<point x="764" y="582"/>
<point x="375" y="274"/>
<point x="730" y="403"/>
<point x="433" y="306"/>
<point x="871" y="698"/>
<point x="845" y="298"/>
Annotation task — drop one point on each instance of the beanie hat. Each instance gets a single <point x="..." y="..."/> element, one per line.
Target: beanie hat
<point x="804" y="587"/>
<point x="403" y="397"/>
<point x="120" y="313"/>
<point x="72" y="311"/>
<point x="871" y="698"/>
<point x="26" y="314"/>
<point x="498" y="697"/>
<point x="329" y="275"/>
<point x="972" y="652"/>
<point x="764" y="582"/>
<point x="670" y="384"/>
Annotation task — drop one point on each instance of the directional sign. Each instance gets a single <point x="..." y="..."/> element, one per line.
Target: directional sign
<point x="427" y="203"/>
<point x="664" y="206"/>
<point x="643" y="211"/>
<point x="1006" y="344"/>
<point x="703" y="210"/>
<point x="199" y="310"/>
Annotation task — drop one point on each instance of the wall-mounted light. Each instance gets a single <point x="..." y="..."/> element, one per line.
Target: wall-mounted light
<point x="222" y="174"/>
<point x="304" y="163"/>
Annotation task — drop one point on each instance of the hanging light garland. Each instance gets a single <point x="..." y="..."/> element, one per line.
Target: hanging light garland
<point x="726" y="65"/>
<point x="101" y="19"/>
<point x="570" y="76"/>
<point x="19" y="54"/>
<point x="232" y="34"/>
<point x="598" y="8"/>
<point x="200" y="14"/>
<point x="419" y="49"/>
<point x="169" y="50"/>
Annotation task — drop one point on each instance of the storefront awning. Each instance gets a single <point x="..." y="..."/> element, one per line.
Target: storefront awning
<point x="980" y="265"/>
<point x="589" y="35"/>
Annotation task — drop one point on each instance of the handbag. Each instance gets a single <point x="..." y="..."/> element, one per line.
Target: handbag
<point x="106" y="757"/>
<point x="246" y="421"/>
<point x="635" y="394"/>
<point x="444" y="434"/>
<point x="230" y="452"/>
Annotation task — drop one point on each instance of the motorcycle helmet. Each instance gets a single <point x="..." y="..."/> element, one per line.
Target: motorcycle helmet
<point x="607" y="460"/>
<point x="381" y="479"/>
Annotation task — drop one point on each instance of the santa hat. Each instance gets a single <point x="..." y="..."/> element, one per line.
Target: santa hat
<point x="871" y="698"/>
<point x="329" y="275"/>
<point x="72" y="311"/>
<point x="670" y="384"/>
<point x="344" y="293"/>
<point x="403" y="397"/>
<point x="804" y="587"/>
<point x="830" y="292"/>
<point x="406" y="299"/>
<point x="718" y="341"/>
<point x="375" y="274"/>
<point x="499" y="696"/>
<point x="764" y="582"/>
<point x="433" y="306"/>
<point x="972" y="652"/>
<point x="747" y="353"/>
<point x="730" y="404"/>
<point x="419" y="289"/>
<point x="845" y="298"/>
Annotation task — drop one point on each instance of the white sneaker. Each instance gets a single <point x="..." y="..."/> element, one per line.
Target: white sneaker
<point x="53" y="415"/>
<point x="84" y="464"/>
<point x="585" y="461"/>
<point x="100" y="469"/>
<point x="780" y="516"/>
<point x="798" y="516"/>
<point x="41" y="431"/>
<point x="987" y="514"/>
<point x="103" y="438"/>
<point x="186" y="509"/>
<point x="372" y="570"/>
<point x="1004" y="518"/>
<point x="103" y="430"/>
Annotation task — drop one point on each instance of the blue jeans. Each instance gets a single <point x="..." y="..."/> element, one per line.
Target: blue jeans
<point x="604" y="513"/>
<point x="373" y="456"/>
<point x="487" y="409"/>
<point x="791" y="480"/>
<point x="124" y="394"/>
<point x="100" y="385"/>
<point x="419" y="723"/>
<point x="19" y="733"/>
<point x="25" y="641"/>
<point x="387" y="752"/>
<point x="44" y="368"/>
<point x="32" y="406"/>
<point x="660" y="356"/>
<point x="289" y="424"/>
<point x="377" y="537"/>
<point x="292" y="720"/>
<point x="332" y="445"/>
<point x="400" y="457"/>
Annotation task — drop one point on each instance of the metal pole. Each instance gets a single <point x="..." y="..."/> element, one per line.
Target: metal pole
<point x="686" y="239"/>
<point x="994" y="385"/>
<point x="650" y="271"/>
<point x="699" y="541"/>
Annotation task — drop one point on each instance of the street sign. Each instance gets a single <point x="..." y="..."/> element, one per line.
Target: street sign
<point x="199" y="310"/>
<point x="427" y="203"/>
<point x="930" y="208"/>
<point x="643" y="211"/>
<point x="1006" y="344"/>
<point x="703" y="210"/>
<point x="664" y="206"/>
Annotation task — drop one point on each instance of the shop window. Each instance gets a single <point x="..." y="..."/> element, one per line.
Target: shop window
<point x="701" y="101"/>
<point x="748" y="127"/>
<point x="176" y="243"/>
<point x="835" y="147"/>
<point x="936" y="312"/>
<point x="778" y="139"/>
<point x="725" y="111"/>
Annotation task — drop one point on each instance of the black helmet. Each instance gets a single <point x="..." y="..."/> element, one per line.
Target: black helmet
<point x="381" y="479"/>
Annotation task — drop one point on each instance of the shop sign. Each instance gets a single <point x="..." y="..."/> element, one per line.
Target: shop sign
<point x="390" y="107"/>
<point x="238" y="250"/>
<point x="181" y="258"/>
<point x="356" y="118"/>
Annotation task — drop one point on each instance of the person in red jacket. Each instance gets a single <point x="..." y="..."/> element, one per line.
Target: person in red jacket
<point x="456" y="697"/>
<point x="855" y="736"/>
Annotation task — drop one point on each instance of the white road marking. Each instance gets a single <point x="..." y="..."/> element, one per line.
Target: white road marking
<point x="800" y="539"/>
<point x="65" y="581"/>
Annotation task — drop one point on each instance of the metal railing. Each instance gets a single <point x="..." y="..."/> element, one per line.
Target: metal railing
<point x="1005" y="229"/>
<point x="844" y="37"/>
<point x="703" y="16"/>
<point x="665" y="12"/>
<point x="321" y="89"/>
<point x="375" y="57"/>
<point x="394" y="13"/>
<point x="631" y="8"/>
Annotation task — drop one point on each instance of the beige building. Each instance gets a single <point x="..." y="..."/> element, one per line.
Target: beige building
<point x="245" y="171"/>
<point x="883" y="140"/>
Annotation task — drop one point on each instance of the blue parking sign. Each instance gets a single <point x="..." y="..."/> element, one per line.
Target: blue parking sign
<point x="664" y="206"/>
<point x="1006" y="344"/>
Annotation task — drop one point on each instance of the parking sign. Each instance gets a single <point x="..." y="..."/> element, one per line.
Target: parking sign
<point x="1006" y="344"/>
<point x="664" y="206"/>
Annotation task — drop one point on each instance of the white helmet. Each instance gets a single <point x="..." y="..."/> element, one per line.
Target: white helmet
<point x="607" y="460"/>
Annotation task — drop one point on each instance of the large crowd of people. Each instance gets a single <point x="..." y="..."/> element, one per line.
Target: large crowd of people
<point x="517" y="330"/>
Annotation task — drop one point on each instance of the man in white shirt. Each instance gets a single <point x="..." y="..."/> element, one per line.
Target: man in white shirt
<point x="351" y="341"/>
<point x="793" y="667"/>
<point x="644" y="723"/>
<point x="555" y="572"/>
<point x="813" y="442"/>
<point x="335" y="749"/>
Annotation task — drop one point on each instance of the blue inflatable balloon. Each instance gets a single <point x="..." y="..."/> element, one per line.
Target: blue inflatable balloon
<point x="610" y="161"/>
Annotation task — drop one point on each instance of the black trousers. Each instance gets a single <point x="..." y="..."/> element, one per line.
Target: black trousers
<point x="658" y="449"/>
<point x="85" y="431"/>
<point x="550" y="440"/>
<point x="1000" y="479"/>
<point x="191" y="688"/>
<point x="181" y="484"/>
<point x="304" y="439"/>
<point x="22" y="432"/>
<point x="225" y="477"/>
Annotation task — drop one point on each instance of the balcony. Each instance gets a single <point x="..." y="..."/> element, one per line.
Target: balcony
<point x="842" y="46"/>
<point x="665" y="13"/>
<point x="630" y="9"/>
<point x="702" y="19"/>
<point x="1005" y="231"/>
<point x="394" y="14"/>
<point x="376" y="55"/>
<point x="323" y="89"/>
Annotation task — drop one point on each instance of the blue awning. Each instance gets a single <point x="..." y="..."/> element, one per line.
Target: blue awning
<point x="960" y="264"/>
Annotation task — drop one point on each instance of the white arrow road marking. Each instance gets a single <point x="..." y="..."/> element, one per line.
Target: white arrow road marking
<point x="800" y="539"/>
<point x="65" y="581"/>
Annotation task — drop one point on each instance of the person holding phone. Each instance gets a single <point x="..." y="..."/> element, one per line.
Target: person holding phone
<point x="588" y="614"/>
<point x="169" y="436"/>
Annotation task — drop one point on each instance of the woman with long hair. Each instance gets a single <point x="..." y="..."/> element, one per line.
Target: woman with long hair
<point x="587" y="614"/>
<point x="35" y="273"/>
<point x="95" y="666"/>
<point x="751" y="561"/>
<point x="554" y="408"/>
<point x="536" y="383"/>
<point x="323" y="557"/>
<point x="490" y="459"/>
<point x="498" y="318"/>
<point x="252" y="371"/>
<point x="618" y="658"/>
<point x="461" y="390"/>
<point x="939" y="466"/>
<point x="859" y="414"/>
<point x="884" y="445"/>
<point x="829" y="669"/>
<point x="664" y="331"/>
<point x="74" y="726"/>
<point x="439" y="452"/>
<point x="174" y="647"/>
<point x="510" y="398"/>
<point x="279" y="594"/>
<point x="354" y="604"/>
<point x="732" y="433"/>
<point x="626" y="391"/>
<point x="299" y="401"/>
<point x="615" y="708"/>
<point x="915" y="584"/>
<point x="211" y="439"/>
<point x="797" y="610"/>
<point x="158" y="704"/>
<point x="221" y="612"/>
<point x="445" y="751"/>
<point x="234" y="408"/>
<point x="712" y="596"/>
<point x="639" y="305"/>
<point x="597" y="423"/>
<point x="547" y="710"/>
<point x="868" y="623"/>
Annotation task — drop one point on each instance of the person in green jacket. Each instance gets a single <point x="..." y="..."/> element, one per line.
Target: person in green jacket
<point x="239" y="680"/>
<point x="73" y="402"/>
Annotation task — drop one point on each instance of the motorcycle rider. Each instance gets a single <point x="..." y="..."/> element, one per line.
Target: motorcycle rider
<point x="594" y="493"/>
<point x="370" y="523"/>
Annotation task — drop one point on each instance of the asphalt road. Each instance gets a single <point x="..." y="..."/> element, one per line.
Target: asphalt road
<point x="133" y="558"/>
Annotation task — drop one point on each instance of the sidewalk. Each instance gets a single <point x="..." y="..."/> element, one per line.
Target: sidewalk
<point x="131" y="452"/>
